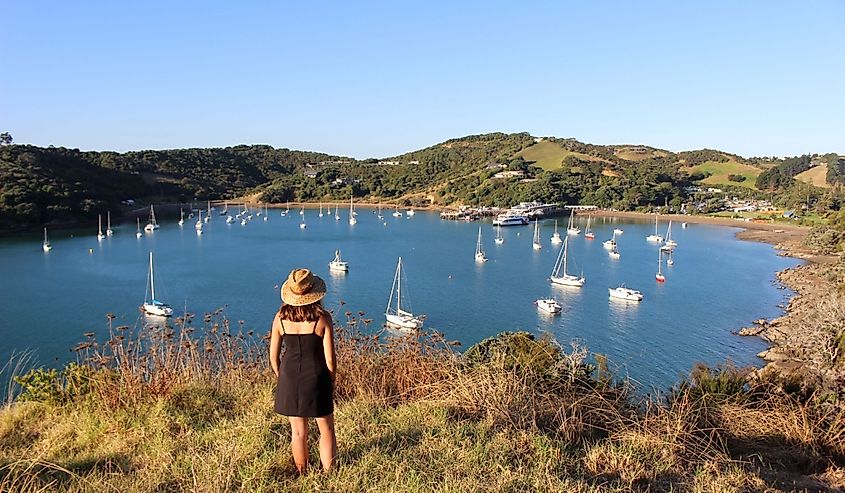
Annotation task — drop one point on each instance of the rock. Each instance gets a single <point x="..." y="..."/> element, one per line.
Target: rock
<point x="761" y="322"/>
<point x="750" y="331"/>
<point x="772" y="355"/>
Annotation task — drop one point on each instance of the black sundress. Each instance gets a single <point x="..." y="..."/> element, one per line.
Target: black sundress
<point x="304" y="388"/>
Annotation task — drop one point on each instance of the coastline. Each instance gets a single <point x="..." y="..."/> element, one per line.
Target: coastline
<point x="793" y="346"/>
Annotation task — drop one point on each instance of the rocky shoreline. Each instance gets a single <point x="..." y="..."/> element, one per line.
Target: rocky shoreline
<point x="804" y="339"/>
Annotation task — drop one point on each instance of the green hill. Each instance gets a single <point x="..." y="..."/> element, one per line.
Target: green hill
<point x="549" y="155"/>
<point x="718" y="173"/>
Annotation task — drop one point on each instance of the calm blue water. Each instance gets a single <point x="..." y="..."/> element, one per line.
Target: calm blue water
<point x="716" y="285"/>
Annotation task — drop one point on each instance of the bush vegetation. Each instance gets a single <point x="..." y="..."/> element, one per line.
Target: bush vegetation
<point x="187" y="408"/>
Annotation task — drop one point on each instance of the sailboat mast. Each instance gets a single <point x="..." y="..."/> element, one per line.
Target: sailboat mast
<point x="398" y="285"/>
<point x="152" y="281"/>
<point x="565" y="252"/>
<point x="45" y="235"/>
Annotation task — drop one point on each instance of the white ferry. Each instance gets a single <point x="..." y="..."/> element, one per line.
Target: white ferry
<point x="510" y="219"/>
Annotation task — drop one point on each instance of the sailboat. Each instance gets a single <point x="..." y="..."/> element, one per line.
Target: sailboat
<point x="556" y="236"/>
<point x="266" y="216"/>
<point x="396" y="213"/>
<point x="397" y="317"/>
<point x="537" y="245"/>
<point x="479" y="252"/>
<point x="181" y="217"/>
<point x="152" y="225"/>
<point x="588" y="230"/>
<point x="611" y="243"/>
<point x="138" y="233"/>
<point x="260" y="211"/>
<point x="302" y="224"/>
<point x="153" y="306"/>
<point x="499" y="240"/>
<point x="670" y="260"/>
<point x="302" y="210"/>
<point x="287" y="208"/>
<point x="352" y="220"/>
<point x="669" y="241"/>
<point x="655" y="237"/>
<point x="336" y="213"/>
<point x="571" y="229"/>
<point x="410" y="212"/>
<point x="614" y="252"/>
<point x="225" y="210"/>
<point x="380" y="215"/>
<point x="321" y="209"/>
<point x="207" y="212"/>
<point x="659" y="276"/>
<point x="559" y="275"/>
<point x="100" y="234"/>
<point x="109" y="231"/>
<point x="338" y="264"/>
<point x="46" y="246"/>
<point x="198" y="225"/>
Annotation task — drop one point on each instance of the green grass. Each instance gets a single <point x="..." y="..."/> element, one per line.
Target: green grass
<point x="719" y="173"/>
<point x="549" y="155"/>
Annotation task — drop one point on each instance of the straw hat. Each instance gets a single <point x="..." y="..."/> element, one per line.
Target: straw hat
<point x="302" y="288"/>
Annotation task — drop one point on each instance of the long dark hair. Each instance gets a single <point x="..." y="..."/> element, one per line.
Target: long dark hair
<point x="306" y="313"/>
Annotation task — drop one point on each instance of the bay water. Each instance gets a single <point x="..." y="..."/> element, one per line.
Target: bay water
<point x="717" y="284"/>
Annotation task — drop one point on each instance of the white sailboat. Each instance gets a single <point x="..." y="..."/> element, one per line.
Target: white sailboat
<point x="321" y="210"/>
<point x="548" y="305"/>
<point x="152" y="225"/>
<point x="260" y="211"/>
<point x="614" y="252"/>
<point x="338" y="264"/>
<point x="229" y="219"/>
<point x="499" y="240"/>
<point x="556" y="236"/>
<point x="588" y="230"/>
<point x="352" y="219"/>
<point x="398" y="317"/>
<point x="302" y="210"/>
<point x="479" y="252"/>
<point x="396" y="213"/>
<point x="285" y="212"/>
<point x="225" y="211"/>
<point x="198" y="225"/>
<point x="659" y="276"/>
<point x="46" y="246"/>
<point x="571" y="229"/>
<point x="100" y="234"/>
<point x="410" y="212"/>
<point x="266" y="216"/>
<point x="626" y="294"/>
<point x="536" y="245"/>
<point x="559" y="274"/>
<point x="611" y="243"/>
<point x="207" y="212"/>
<point x="243" y="221"/>
<point x="618" y="231"/>
<point x="109" y="231"/>
<point x="669" y="241"/>
<point x="181" y="217"/>
<point x="380" y="215"/>
<point x="138" y="233"/>
<point x="336" y="213"/>
<point x="670" y="260"/>
<point x="153" y="306"/>
<point x="302" y="224"/>
<point x="656" y="236"/>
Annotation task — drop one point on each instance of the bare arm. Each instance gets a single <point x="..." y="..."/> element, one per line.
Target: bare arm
<point x="275" y="344"/>
<point x="328" y="345"/>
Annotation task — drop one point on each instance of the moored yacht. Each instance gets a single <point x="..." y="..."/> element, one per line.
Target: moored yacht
<point x="623" y="293"/>
<point x="548" y="305"/>
<point x="338" y="264"/>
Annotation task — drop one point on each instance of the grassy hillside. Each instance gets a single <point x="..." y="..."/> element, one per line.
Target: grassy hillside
<point x="817" y="175"/>
<point x="549" y="155"/>
<point x="637" y="153"/>
<point x="719" y="171"/>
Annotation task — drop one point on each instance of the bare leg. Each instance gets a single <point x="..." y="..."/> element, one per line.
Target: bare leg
<point x="299" y="442"/>
<point x="328" y="441"/>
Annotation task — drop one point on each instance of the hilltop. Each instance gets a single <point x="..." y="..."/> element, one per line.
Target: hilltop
<point x="58" y="185"/>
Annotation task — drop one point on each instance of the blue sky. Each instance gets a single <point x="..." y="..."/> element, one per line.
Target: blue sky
<point x="374" y="79"/>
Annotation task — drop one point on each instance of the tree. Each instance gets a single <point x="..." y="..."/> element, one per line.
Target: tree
<point x="5" y="138"/>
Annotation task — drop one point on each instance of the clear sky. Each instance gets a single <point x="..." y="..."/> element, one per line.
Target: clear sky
<point x="374" y="79"/>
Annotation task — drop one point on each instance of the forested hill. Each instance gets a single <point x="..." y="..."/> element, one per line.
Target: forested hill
<point x="57" y="185"/>
<point x="41" y="185"/>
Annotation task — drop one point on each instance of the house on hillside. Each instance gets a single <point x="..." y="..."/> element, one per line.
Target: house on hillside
<point x="310" y="171"/>
<point x="509" y="174"/>
<point x="412" y="163"/>
<point x="492" y="165"/>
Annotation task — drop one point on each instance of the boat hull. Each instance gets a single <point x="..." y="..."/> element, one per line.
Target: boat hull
<point x="403" y="321"/>
<point x="568" y="281"/>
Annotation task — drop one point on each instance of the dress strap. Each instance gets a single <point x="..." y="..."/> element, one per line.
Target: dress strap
<point x="283" y="326"/>
<point x="314" y="327"/>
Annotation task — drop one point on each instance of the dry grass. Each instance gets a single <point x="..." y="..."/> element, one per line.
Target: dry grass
<point x="176" y="409"/>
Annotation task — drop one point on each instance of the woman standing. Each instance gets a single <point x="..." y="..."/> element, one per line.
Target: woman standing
<point x="306" y="370"/>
